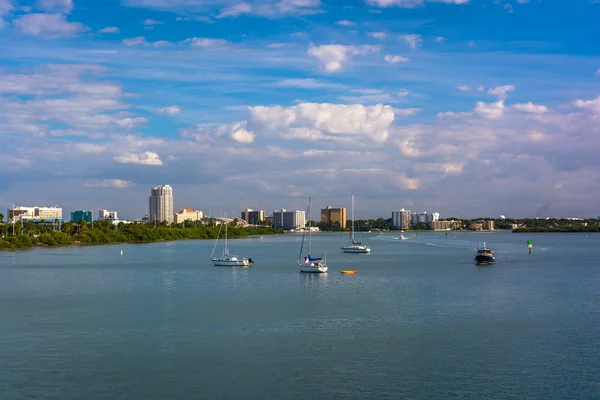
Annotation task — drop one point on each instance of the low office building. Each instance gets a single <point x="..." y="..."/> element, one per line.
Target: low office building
<point x="105" y="214"/>
<point x="334" y="216"/>
<point x="445" y="225"/>
<point x="34" y="214"/>
<point x="253" y="217"/>
<point x="187" y="214"/>
<point x="82" y="215"/>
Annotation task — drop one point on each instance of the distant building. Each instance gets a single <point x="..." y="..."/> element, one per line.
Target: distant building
<point x="488" y="225"/>
<point x="334" y="215"/>
<point x="445" y="225"/>
<point x="161" y="204"/>
<point x="188" y="215"/>
<point x="424" y="218"/>
<point x="401" y="219"/>
<point x="476" y="226"/>
<point x="253" y="217"/>
<point x="105" y="214"/>
<point x="145" y="218"/>
<point x="79" y="215"/>
<point x="289" y="219"/>
<point x="34" y="214"/>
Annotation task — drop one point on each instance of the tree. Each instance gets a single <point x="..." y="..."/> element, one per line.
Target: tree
<point x="1" y="218"/>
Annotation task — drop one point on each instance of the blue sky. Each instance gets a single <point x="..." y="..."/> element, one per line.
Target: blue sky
<point x="468" y="108"/>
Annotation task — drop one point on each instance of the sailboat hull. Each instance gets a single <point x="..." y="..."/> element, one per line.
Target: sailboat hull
<point x="313" y="267"/>
<point x="230" y="262"/>
<point x="356" y="249"/>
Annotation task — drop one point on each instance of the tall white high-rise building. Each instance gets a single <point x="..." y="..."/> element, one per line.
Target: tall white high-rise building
<point x="161" y="204"/>
<point x="401" y="219"/>
<point x="289" y="219"/>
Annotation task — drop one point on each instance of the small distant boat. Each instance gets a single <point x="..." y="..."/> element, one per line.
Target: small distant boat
<point x="348" y="272"/>
<point x="354" y="246"/>
<point x="485" y="256"/>
<point x="310" y="264"/>
<point x="226" y="259"/>
<point x="402" y="237"/>
<point x="121" y="251"/>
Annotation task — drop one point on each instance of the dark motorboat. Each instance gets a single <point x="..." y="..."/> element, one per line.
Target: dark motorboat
<point x="485" y="256"/>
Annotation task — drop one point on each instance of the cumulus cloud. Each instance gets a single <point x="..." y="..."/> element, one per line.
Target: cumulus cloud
<point x="332" y="57"/>
<point x="440" y="39"/>
<point x="61" y="6"/>
<point x="206" y="43"/>
<point x="313" y="121"/>
<point x="501" y="91"/>
<point x="240" y="134"/>
<point x="377" y="35"/>
<point x="395" y="59"/>
<point x="168" y="110"/>
<point x="531" y="108"/>
<point x="145" y="158"/>
<point x="345" y="22"/>
<point x="109" y="29"/>
<point x="47" y="25"/>
<point x="152" y="22"/>
<point x="463" y="88"/>
<point x="141" y="41"/>
<point x="412" y="40"/>
<point x="490" y="110"/>
<point x="109" y="183"/>
<point x="130" y="122"/>
<point x="271" y="8"/>
<point x="592" y="105"/>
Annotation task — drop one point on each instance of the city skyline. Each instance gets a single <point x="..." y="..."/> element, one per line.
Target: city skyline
<point x="464" y="107"/>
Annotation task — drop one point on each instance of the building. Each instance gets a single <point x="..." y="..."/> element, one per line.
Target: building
<point x="289" y="219"/>
<point x="424" y="218"/>
<point x="161" y="204"/>
<point x="187" y="214"/>
<point x="334" y="216"/>
<point x="401" y="219"/>
<point x="34" y="214"/>
<point x="253" y="217"/>
<point x="488" y="225"/>
<point x="445" y="225"/>
<point x="476" y="226"/>
<point x="79" y="215"/>
<point x="105" y="214"/>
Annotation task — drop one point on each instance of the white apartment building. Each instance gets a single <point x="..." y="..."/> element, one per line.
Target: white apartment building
<point x="105" y="214"/>
<point x="424" y="218"/>
<point x="161" y="204"/>
<point x="401" y="219"/>
<point x="34" y="214"/>
<point x="187" y="214"/>
<point x="289" y="219"/>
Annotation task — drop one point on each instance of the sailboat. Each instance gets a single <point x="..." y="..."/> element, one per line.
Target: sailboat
<point x="355" y="247"/>
<point x="226" y="259"/>
<point x="308" y="263"/>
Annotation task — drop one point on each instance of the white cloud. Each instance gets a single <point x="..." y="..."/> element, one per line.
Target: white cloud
<point x="152" y="22"/>
<point x="403" y="93"/>
<point x="598" y="72"/>
<point x="410" y="3"/>
<point x="377" y="35"/>
<point x="412" y="40"/>
<point x="531" y="108"/>
<point x="240" y="134"/>
<point x="136" y="41"/>
<point x="235" y="10"/>
<point x="61" y="6"/>
<point x="306" y="83"/>
<point x="592" y="105"/>
<point x="109" y="183"/>
<point x="130" y="122"/>
<point x="501" y="91"/>
<point x="481" y="89"/>
<point x="395" y="59"/>
<point x="345" y="22"/>
<point x="206" y="43"/>
<point x="47" y="25"/>
<point x="168" y="110"/>
<point x="109" y="29"/>
<point x="440" y="39"/>
<point x="490" y="110"/>
<point x="145" y="158"/>
<point x="463" y="88"/>
<point x="332" y="57"/>
<point x="522" y="1"/>
<point x="312" y="121"/>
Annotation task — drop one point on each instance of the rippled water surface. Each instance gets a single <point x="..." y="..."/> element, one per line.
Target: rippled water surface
<point x="418" y="321"/>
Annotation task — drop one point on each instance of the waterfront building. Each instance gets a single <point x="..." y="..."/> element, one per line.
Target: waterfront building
<point x="187" y="214"/>
<point x="253" y="217"/>
<point x="105" y="214"/>
<point x="445" y="225"/>
<point x="476" y="226"/>
<point x="34" y="214"/>
<point x="79" y="215"/>
<point x="424" y="218"/>
<point x="161" y="204"/>
<point x="334" y="215"/>
<point x="488" y="225"/>
<point x="289" y="219"/>
<point x="401" y="219"/>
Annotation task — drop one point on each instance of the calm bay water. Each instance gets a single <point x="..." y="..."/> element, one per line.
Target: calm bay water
<point x="419" y="321"/>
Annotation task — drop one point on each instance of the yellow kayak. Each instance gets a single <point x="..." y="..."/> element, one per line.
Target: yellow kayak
<point x="348" y="271"/>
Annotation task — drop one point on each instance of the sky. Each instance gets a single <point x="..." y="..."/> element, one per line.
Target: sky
<point x="468" y="108"/>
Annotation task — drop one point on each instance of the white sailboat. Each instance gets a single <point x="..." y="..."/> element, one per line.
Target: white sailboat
<point x="308" y="263"/>
<point x="354" y="246"/>
<point x="226" y="259"/>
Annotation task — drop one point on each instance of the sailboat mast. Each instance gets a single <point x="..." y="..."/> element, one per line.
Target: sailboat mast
<point x="309" y="225"/>
<point x="352" y="217"/>
<point x="226" y="251"/>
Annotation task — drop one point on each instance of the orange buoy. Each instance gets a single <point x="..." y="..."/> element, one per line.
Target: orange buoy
<point x="348" y="271"/>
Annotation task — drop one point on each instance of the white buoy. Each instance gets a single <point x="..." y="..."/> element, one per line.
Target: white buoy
<point x="121" y="251"/>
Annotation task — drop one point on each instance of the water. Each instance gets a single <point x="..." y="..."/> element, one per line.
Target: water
<point x="419" y="321"/>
